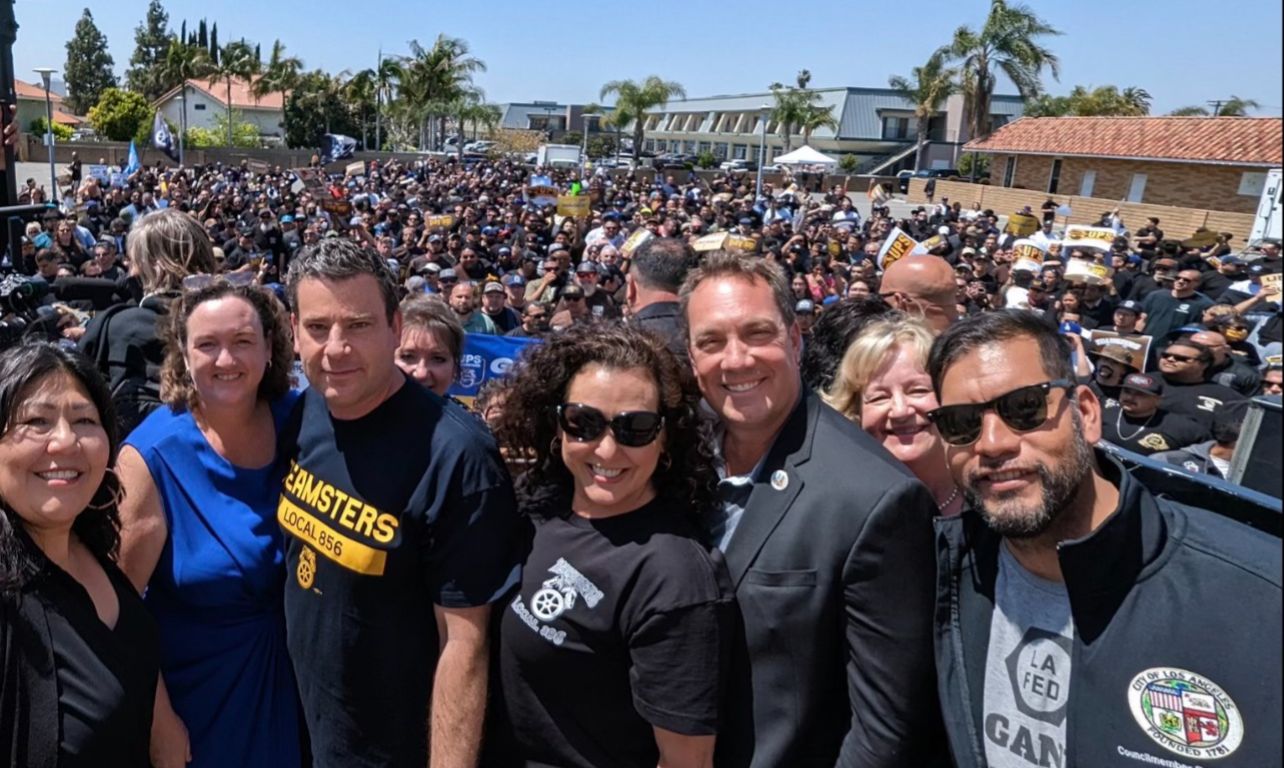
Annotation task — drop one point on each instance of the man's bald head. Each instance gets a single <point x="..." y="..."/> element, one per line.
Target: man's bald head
<point x="925" y="284"/>
<point x="1215" y="342"/>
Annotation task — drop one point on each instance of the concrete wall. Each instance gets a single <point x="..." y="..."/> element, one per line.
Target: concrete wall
<point x="1176" y="222"/>
<point x="1212" y="187"/>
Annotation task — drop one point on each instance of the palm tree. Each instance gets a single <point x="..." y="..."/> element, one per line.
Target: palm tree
<point x="236" y="62"/>
<point x="930" y="86"/>
<point x="185" y="62"/>
<point x="633" y="99"/>
<point x="359" y="91"/>
<point x="281" y="74"/>
<point x="1007" y="43"/>
<point x="816" y="117"/>
<point x="386" y="77"/>
<point x="482" y="114"/>
<point x="1236" y="107"/>
<point x="792" y="106"/>
<point x="1189" y="111"/>
<point x="439" y="78"/>
<point x="1138" y="99"/>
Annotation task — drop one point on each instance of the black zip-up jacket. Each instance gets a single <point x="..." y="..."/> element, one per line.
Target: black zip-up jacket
<point x="1172" y="606"/>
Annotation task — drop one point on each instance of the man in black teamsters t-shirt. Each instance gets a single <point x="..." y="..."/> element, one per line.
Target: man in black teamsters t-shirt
<point x="402" y="530"/>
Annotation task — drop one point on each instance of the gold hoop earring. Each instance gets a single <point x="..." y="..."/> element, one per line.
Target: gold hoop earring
<point x="116" y="489"/>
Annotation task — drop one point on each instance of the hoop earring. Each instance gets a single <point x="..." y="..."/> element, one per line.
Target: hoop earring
<point x="112" y="480"/>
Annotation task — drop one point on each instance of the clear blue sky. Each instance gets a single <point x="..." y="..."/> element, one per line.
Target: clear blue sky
<point x="1181" y="51"/>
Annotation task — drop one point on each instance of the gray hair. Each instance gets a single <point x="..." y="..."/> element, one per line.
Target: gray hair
<point x="341" y="259"/>
<point x="728" y="264"/>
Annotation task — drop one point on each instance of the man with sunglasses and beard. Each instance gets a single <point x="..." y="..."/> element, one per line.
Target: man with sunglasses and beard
<point x="1075" y="610"/>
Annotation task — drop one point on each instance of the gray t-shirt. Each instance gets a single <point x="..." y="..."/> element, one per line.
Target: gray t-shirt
<point x="1027" y="669"/>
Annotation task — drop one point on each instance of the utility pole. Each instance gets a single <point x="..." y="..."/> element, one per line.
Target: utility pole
<point x="1216" y="105"/>
<point x="379" y="101"/>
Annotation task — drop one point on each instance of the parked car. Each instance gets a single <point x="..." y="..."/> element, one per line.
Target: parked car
<point x="903" y="177"/>
<point x="478" y="147"/>
<point x="739" y="166"/>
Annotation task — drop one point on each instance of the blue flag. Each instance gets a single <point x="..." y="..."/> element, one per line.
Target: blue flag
<point x="134" y="163"/>
<point x="336" y="146"/>
<point x="163" y="139"/>
<point x="486" y="357"/>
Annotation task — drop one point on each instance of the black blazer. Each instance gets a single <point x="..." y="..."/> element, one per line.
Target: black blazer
<point x="834" y="572"/>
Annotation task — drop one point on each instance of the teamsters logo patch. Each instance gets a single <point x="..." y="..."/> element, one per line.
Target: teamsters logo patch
<point x="1186" y="713"/>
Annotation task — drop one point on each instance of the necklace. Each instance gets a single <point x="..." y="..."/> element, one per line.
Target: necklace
<point x="1119" y="426"/>
<point x="954" y="494"/>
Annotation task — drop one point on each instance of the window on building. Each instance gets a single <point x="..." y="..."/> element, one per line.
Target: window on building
<point x="1009" y="170"/>
<point x="896" y="128"/>
<point x="1252" y="183"/>
<point x="1086" y="184"/>
<point x="689" y="147"/>
<point x="650" y="145"/>
<point x="1055" y="177"/>
<point x="1137" y="188"/>
<point x="739" y="152"/>
<point x="198" y="107"/>
<point x="720" y="150"/>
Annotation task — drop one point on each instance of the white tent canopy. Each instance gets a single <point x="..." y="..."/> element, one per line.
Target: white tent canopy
<point x="805" y="155"/>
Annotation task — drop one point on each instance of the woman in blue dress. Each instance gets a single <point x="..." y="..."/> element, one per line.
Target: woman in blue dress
<point x="199" y="532"/>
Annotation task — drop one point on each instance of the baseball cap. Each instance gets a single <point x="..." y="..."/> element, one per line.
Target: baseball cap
<point x="513" y="280"/>
<point x="492" y="287"/>
<point x="805" y="307"/>
<point x="968" y="251"/>
<point x="1165" y="263"/>
<point x="1232" y="261"/>
<point x="448" y="274"/>
<point x="287" y="219"/>
<point x="1143" y="382"/>
<point x="431" y="268"/>
<point x="831" y="300"/>
<point x="586" y="267"/>
<point x="1129" y="306"/>
<point x="746" y="221"/>
<point x="572" y="292"/>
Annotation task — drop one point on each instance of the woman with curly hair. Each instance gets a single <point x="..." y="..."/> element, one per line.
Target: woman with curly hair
<point x="611" y="655"/>
<point x="200" y="532"/>
<point x="78" y="652"/>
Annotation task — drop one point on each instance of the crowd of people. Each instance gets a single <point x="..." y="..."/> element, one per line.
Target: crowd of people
<point x="757" y="495"/>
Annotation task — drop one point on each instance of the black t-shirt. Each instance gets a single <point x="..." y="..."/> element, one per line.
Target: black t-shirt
<point x="620" y="625"/>
<point x="405" y="508"/>
<point x="1161" y="431"/>
<point x="1165" y="312"/>
<point x="1200" y="402"/>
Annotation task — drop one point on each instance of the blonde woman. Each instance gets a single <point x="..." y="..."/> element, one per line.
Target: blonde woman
<point x="883" y="385"/>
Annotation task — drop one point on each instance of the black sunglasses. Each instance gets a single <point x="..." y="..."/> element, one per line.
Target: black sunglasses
<point x="1178" y="358"/>
<point x="1022" y="409"/>
<point x="633" y="429"/>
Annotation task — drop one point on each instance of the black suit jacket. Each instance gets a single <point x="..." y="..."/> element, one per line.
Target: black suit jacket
<point x="834" y="572"/>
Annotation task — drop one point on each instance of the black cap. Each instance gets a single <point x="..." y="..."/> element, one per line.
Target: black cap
<point x="1143" y="382"/>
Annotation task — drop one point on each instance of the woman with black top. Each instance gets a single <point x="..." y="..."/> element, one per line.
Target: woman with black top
<point x="78" y="652"/>
<point x="612" y="653"/>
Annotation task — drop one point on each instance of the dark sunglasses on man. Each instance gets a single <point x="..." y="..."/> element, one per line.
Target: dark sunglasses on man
<point x="632" y="429"/>
<point x="1024" y="409"/>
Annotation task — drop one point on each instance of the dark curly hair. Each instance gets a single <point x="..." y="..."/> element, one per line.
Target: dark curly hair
<point x="831" y="335"/>
<point x="528" y="424"/>
<point x="22" y="369"/>
<point x="176" y="388"/>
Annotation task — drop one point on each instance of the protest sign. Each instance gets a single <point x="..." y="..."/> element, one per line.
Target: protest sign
<point x="1203" y="238"/>
<point x="897" y="246"/>
<point x="1021" y="225"/>
<point x="311" y="178"/>
<point x="1271" y="284"/>
<point x="117" y="179"/>
<point x="708" y="243"/>
<point x="1084" y="272"/>
<point x="1027" y="249"/>
<point x="742" y="243"/>
<point x="927" y="245"/>
<point x="341" y="208"/>
<point x="257" y="166"/>
<point x="637" y="238"/>
<point x="541" y="191"/>
<point x="442" y="221"/>
<point x="834" y="248"/>
<point x="1079" y="236"/>
<point x="878" y="194"/>
<point x="100" y="172"/>
<point x="1135" y="347"/>
<point x="486" y="357"/>
<point x="355" y="169"/>
<point x="574" y="206"/>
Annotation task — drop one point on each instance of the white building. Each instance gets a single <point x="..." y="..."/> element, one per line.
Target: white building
<point x="876" y="125"/>
<point x="207" y="100"/>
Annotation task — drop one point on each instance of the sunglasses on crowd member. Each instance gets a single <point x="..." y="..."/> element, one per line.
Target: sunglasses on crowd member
<point x="201" y="280"/>
<point x="1023" y="409"/>
<point x="585" y="423"/>
<point x="1177" y="357"/>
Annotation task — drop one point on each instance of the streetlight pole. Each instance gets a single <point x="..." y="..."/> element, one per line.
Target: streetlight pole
<point x="182" y="131"/>
<point x="765" y="112"/>
<point x="45" y="74"/>
<point x="584" y="151"/>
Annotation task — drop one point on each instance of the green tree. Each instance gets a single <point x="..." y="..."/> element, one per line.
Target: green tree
<point x="386" y="76"/>
<point x="151" y="41"/>
<point x="1008" y="43"/>
<point x="118" y="114"/>
<point x="1106" y="100"/>
<point x="437" y="82"/>
<point x="280" y="75"/>
<point x="633" y="99"/>
<point x="317" y="105"/>
<point x="359" y="92"/>
<point x="848" y="163"/>
<point x="236" y="62"/>
<point x="706" y="160"/>
<point x="1236" y="107"/>
<point x="185" y="62"/>
<point x="214" y="48"/>
<point x="927" y="88"/>
<point x="61" y="132"/>
<point x="88" y="68"/>
<point x="974" y="165"/>
<point x="1189" y="111"/>
<point x="203" y="36"/>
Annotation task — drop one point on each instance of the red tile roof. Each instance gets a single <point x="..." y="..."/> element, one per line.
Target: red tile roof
<point x="1218" y="140"/>
<point x="30" y="91"/>
<point x="242" y="98"/>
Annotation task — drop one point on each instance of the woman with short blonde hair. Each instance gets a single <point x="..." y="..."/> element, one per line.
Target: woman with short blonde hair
<point x="882" y="384"/>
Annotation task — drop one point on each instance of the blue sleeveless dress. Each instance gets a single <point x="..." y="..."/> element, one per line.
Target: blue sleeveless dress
<point x="217" y="595"/>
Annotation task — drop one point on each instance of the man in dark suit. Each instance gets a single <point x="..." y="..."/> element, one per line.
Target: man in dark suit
<point x="658" y="268"/>
<point x="828" y="541"/>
